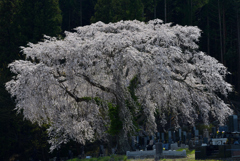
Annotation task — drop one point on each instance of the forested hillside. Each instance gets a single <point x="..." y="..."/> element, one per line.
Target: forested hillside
<point x="23" y="21"/>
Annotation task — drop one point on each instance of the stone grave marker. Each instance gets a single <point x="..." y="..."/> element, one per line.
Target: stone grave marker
<point x="233" y="123"/>
<point x="137" y="139"/>
<point x="158" y="135"/>
<point x="196" y="133"/>
<point x="133" y="143"/>
<point x="184" y="137"/>
<point x="153" y="138"/>
<point x="223" y="128"/>
<point x="145" y="142"/>
<point x="148" y="138"/>
<point x="206" y="133"/>
<point x="169" y="137"/>
<point x="191" y="145"/>
<point x="70" y="154"/>
<point x="179" y="135"/>
<point x="159" y="150"/>
<point x="174" y="146"/>
<point x="166" y="146"/>
<point x="162" y="137"/>
<point x="205" y="140"/>
<point x="82" y="152"/>
<point x="193" y="130"/>
<point x="102" y="150"/>
<point x="189" y="136"/>
<point x="173" y="136"/>
<point x="214" y="132"/>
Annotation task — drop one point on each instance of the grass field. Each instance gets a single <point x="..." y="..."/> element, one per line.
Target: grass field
<point x="190" y="157"/>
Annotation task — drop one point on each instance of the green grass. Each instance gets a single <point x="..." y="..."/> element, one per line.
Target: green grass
<point x="189" y="152"/>
<point x="190" y="157"/>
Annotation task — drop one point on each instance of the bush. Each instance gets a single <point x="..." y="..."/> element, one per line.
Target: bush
<point x="187" y="151"/>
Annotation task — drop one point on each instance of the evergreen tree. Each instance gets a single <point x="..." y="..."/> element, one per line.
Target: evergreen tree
<point x="39" y="17"/>
<point x="76" y="13"/>
<point x="116" y="10"/>
<point x="22" y="21"/>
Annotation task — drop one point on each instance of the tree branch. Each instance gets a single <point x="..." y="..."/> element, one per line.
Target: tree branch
<point x="90" y="81"/>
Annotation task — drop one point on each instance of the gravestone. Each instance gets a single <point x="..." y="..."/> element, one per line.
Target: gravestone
<point x="133" y="143"/>
<point x="82" y="152"/>
<point x="184" y="137"/>
<point x="165" y="146"/>
<point x="174" y="146"/>
<point x="189" y="136"/>
<point x="70" y="154"/>
<point x="206" y="134"/>
<point x="179" y="134"/>
<point x="163" y="139"/>
<point x="158" y="135"/>
<point x="150" y="145"/>
<point x="174" y="136"/>
<point x="102" y="150"/>
<point x="191" y="145"/>
<point x="169" y="137"/>
<point x="233" y="123"/>
<point x="145" y="142"/>
<point x="205" y="140"/>
<point x="148" y="138"/>
<point x="223" y="128"/>
<point x="214" y="132"/>
<point x="201" y="152"/>
<point x="113" y="151"/>
<point x="153" y="138"/>
<point x="196" y="133"/>
<point x="193" y="130"/>
<point x="159" y="150"/>
<point x="137" y="139"/>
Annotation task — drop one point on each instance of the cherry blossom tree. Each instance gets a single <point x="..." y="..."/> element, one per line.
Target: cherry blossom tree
<point x="118" y="75"/>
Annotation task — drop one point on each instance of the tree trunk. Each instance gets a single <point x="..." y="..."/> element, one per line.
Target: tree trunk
<point x="224" y="35"/>
<point x="123" y="143"/>
<point x="238" y="31"/>
<point x="208" y="37"/>
<point x="220" y="32"/>
<point x="81" y="13"/>
<point x="155" y="5"/>
<point x="165" y="11"/>
<point x="191" y="12"/>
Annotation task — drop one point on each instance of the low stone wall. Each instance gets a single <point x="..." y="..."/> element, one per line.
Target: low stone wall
<point x="180" y="154"/>
<point x="145" y="154"/>
<point x="152" y="153"/>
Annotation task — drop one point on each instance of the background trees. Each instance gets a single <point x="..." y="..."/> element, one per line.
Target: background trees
<point x="116" y="10"/>
<point x="76" y="13"/>
<point x="22" y="21"/>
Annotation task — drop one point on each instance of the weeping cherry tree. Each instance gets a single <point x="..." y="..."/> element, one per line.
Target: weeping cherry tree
<point x="115" y="78"/>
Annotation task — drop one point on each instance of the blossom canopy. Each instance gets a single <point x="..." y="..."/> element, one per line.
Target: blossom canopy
<point x="143" y="70"/>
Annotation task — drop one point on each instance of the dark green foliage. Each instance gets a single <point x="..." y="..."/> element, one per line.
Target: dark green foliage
<point x="22" y="21"/>
<point x="116" y="10"/>
<point x="9" y="40"/>
<point x="132" y="87"/>
<point x="115" y="124"/>
<point x="76" y="13"/>
<point x="37" y="18"/>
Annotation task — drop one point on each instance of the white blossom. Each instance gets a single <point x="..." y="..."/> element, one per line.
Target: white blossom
<point x="100" y="61"/>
